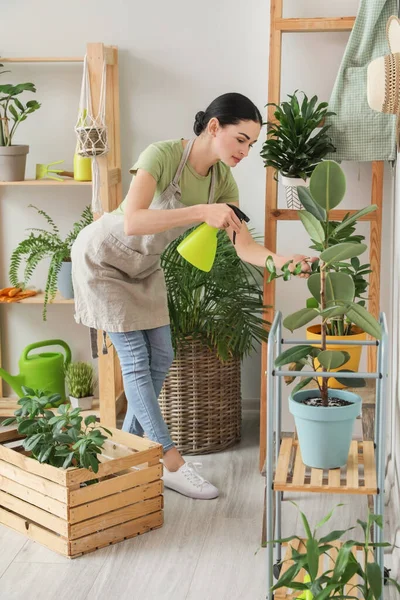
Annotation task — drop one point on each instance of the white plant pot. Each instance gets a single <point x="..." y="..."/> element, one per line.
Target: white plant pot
<point x="12" y="162"/>
<point x="84" y="403"/>
<point x="291" y="184"/>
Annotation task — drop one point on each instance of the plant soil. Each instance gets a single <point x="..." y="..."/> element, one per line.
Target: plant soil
<point x="331" y="402"/>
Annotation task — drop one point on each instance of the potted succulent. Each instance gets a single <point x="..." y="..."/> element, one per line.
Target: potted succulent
<point x="42" y="244"/>
<point x="216" y="319"/>
<point x="293" y="148"/>
<point x="339" y="327"/>
<point x="340" y="566"/>
<point x="12" y="113"/>
<point x="79" y="377"/>
<point x="325" y="417"/>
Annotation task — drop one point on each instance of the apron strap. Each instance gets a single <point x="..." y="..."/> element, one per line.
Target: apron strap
<point x="182" y="164"/>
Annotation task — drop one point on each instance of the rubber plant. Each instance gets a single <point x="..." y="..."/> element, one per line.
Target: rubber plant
<point x="333" y="291"/>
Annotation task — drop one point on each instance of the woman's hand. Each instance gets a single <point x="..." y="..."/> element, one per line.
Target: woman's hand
<point x="305" y="261"/>
<point x="221" y="216"/>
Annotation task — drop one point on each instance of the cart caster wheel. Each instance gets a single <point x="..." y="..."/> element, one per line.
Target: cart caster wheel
<point x="386" y="575"/>
<point x="277" y="569"/>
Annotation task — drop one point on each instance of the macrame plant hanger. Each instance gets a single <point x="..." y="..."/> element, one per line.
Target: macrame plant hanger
<point x="91" y="131"/>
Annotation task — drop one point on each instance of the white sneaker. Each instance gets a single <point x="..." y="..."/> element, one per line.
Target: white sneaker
<point x="187" y="481"/>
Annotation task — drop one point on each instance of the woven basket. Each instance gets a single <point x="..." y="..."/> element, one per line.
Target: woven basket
<point x="201" y="400"/>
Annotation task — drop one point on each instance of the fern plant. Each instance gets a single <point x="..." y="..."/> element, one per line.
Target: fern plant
<point x="223" y="308"/>
<point x="41" y="244"/>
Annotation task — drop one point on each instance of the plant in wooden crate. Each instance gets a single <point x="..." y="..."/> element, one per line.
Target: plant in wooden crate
<point x="47" y="462"/>
<point x="293" y="148"/>
<point x="325" y="417"/>
<point x="43" y="244"/>
<point x="60" y="440"/>
<point x="80" y="380"/>
<point x="216" y="319"/>
<point x="324" y="567"/>
<point x="13" y="157"/>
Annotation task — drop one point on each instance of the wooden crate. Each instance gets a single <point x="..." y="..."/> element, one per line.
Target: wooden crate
<point x="52" y="507"/>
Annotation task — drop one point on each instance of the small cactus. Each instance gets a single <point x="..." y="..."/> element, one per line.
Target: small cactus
<point x="80" y="379"/>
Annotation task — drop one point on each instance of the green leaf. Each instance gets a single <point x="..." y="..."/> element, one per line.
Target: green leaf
<point x="333" y="359"/>
<point x="334" y="535"/>
<point x="294" y="354"/>
<point x="374" y="575"/>
<point x="26" y="425"/>
<point x="328" y="184"/>
<point x="342" y="559"/>
<point x="339" y="287"/>
<point x="68" y="460"/>
<point x="90" y="419"/>
<point x="334" y="311"/>
<point x="356" y="382"/>
<point x="300" y="318"/>
<point x="312" y="226"/>
<point x="310" y="205"/>
<point x="94" y="463"/>
<point x="355" y="217"/>
<point x="301" y="384"/>
<point x="312" y="557"/>
<point x="327" y="517"/>
<point x="361" y="317"/>
<point x="312" y="303"/>
<point x="342" y="252"/>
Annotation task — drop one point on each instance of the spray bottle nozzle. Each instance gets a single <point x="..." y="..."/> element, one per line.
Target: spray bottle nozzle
<point x="240" y="215"/>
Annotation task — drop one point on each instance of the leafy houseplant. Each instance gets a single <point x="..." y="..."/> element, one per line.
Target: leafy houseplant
<point x="61" y="440"/>
<point x="80" y="380"/>
<point x="42" y="244"/>
<point x="292" y="147"/>
<point x="216" y="319"/>
<point x="333" y="291"/>
<point x="343" y="565"/>
<point x="12" y="110"/>
<point x="223" y="308"/>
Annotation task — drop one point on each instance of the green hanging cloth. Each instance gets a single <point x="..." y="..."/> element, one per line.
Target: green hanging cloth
<point x="358" y="132"/>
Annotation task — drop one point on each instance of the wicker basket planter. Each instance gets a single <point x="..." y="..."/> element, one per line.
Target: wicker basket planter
<point x="201" y="400"/>
<point x="54" y="508"/>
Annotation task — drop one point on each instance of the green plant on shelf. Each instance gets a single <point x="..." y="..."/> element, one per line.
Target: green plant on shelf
<point x="12" y="109"/>
<point x="41" y="244"/>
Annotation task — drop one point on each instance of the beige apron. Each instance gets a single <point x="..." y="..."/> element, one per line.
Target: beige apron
<point x="119" y="285"/>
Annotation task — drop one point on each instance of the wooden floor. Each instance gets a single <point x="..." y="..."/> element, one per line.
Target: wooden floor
<point x="205" y="551"/>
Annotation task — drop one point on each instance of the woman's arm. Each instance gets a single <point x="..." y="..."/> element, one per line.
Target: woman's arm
<point x="140" y="220"/>
<point x="250" y="251"/>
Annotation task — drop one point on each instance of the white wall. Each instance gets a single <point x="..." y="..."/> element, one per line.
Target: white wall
<point x="175" y="57"/>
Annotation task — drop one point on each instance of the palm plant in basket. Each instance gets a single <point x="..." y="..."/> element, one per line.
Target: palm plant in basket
<point x="41" y="244"/>
<point x="216" y="319"/>
<point x="293" y="148"/>
<point x="325" y="417"/>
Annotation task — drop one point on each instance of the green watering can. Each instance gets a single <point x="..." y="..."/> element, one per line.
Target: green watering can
<point x="200" y="246"/>
<point x="41" y="371"/>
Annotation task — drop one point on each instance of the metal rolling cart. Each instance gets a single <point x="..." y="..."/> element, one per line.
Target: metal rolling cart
<point x="365" y="470"/>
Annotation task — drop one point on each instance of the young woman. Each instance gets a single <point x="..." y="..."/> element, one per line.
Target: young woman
<point x="119" y="285"/>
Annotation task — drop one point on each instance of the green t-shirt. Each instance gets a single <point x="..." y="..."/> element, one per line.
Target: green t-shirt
<point x="162" y="159"/>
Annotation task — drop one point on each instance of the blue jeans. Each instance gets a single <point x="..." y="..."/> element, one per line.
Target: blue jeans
<point x="145" y="358"/>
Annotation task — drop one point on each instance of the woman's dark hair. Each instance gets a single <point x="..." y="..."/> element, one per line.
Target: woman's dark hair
<point x="229" y="109"/>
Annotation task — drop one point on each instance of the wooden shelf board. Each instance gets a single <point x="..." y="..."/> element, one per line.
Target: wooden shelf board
<point x="41" y="59"/>
<point x="287" y="214"/>
<point x="39" y="299"/>
<point x="42" y="182"/>
<point x="357" y="477"/>
<point x="320" y="24"/>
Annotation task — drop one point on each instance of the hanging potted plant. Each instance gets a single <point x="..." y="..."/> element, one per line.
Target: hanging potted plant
<point x="12" y="113"/>
<point x="43" y="244"/>
<point x="325" y="417"/>
<point x="79" y="377"/>
<point x="216" y="319"/>
<point x="293" y="148"/>
<point x="338" y="327"/>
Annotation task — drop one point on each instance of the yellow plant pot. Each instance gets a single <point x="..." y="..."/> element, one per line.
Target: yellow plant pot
<point x="82" y="168"/>
<point x="314" y="333"/>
